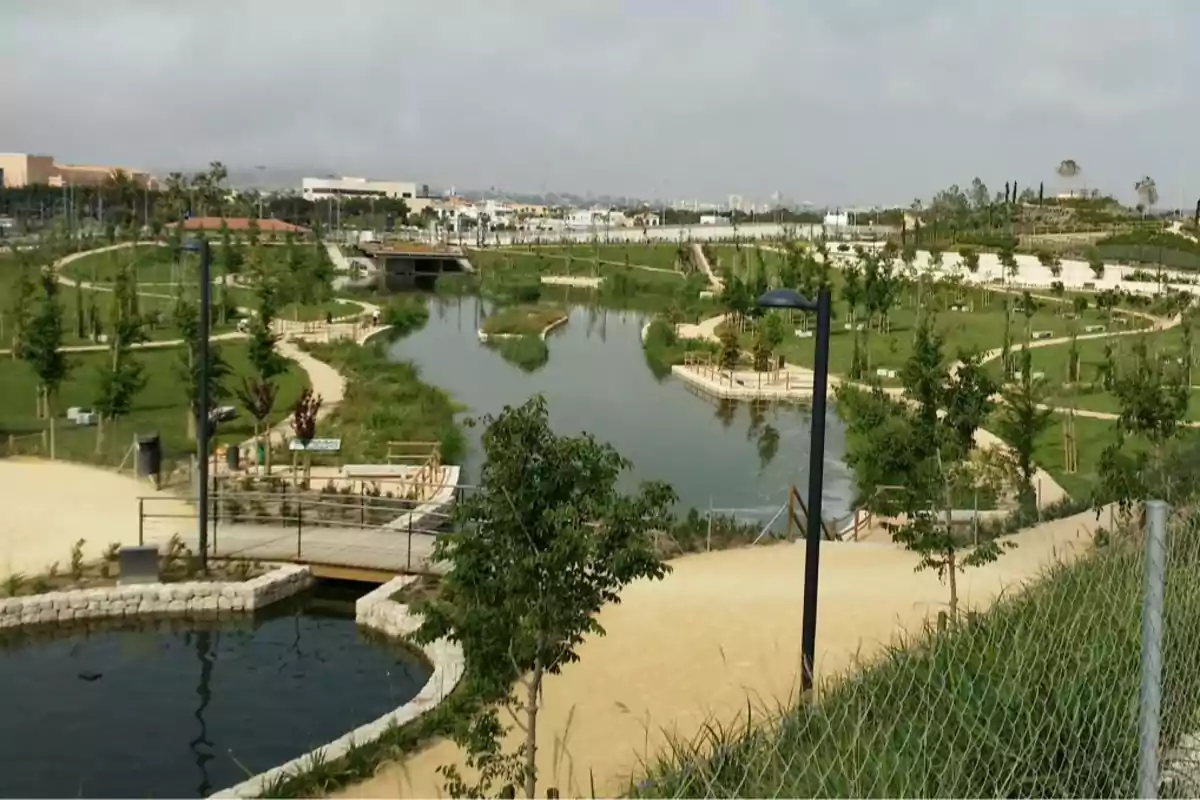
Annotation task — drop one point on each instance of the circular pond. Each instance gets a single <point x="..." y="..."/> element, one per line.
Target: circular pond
<point x="183" y="708"/>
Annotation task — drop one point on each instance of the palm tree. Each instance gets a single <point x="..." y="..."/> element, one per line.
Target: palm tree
<point x="176" y="194"/>
<point x="1147" y="192"/>
<point x="1069" y="169"/>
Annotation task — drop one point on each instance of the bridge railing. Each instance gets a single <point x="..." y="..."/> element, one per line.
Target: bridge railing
<point x="360" y="529"/>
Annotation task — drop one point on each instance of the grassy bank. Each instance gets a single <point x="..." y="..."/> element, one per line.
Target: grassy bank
<point x="663" y="348"/>
<point x="385" y="402"/>
<point x="1034" y="698"/>
<point x="528" y="353"/>
<point x="160" y="407"/>
<point x="524" y="320"/>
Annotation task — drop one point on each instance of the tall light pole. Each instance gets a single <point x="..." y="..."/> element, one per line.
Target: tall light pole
<point x="200" y="245"/>
<point x="786" y="298"/>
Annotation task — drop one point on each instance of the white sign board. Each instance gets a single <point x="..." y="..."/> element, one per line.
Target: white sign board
<point x="316" y="445"/>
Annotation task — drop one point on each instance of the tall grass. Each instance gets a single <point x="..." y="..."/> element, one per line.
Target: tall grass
<point x="1035" y="698"/>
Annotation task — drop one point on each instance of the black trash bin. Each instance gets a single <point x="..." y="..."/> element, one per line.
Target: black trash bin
<point x="149" y="455"/>
<point x="233" y="455"/>
<point x="782" y="363"/>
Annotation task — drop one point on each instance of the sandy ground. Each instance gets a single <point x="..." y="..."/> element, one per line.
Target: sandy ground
<point x="60" y="503"/>
<point x="722" y="630"/>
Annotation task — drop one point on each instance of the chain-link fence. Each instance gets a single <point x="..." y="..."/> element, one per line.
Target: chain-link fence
<point x="1084" y="684"/>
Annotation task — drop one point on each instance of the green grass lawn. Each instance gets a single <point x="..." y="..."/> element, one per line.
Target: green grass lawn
<point x="1091" y="437"/>
<point x="155" y="302"/>
<point x="658" y="256"/>
<point x="742" y="261"/>
<point x="385" y="402"/>
<point x="160" y="407"/>
<point x="521" y="320"/>
<point x="620" y="282"/>
<point x="981" y="329"/>
<point x="152" y="262"/>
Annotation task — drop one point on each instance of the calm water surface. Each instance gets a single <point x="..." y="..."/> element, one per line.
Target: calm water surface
<point x="149" y="712"/>
<point x="739" y="457"/>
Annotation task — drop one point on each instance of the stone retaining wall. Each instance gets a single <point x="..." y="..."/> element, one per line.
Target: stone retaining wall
<point x="379" y="611"/>
<point x="193" y="597"/>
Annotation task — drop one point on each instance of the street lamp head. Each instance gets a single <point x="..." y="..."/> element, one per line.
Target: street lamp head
<point x="785" y="298"/>
<point x="196" y="245"/>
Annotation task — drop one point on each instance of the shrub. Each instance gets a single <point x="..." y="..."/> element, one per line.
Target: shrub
<point x="406" y="313"/>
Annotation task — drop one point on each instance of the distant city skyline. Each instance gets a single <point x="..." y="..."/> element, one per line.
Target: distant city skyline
<point x="854" y="103"/>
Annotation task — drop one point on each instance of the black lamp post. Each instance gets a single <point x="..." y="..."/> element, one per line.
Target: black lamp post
<point x="786" y="298"/>
<point x="200" y="245"/>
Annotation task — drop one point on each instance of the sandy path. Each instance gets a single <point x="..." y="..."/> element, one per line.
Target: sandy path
<point x="49" y="505"/>
<point x="698" y="253"/>
<point x="723" y="629"/>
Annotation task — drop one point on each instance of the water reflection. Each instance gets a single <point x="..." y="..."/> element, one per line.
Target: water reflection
<point x="203" y="755"/>
<point x="597" y="379"/>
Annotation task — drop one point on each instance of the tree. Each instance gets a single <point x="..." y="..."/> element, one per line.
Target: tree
<point x="1095" y="263"/>
<point x="1068" y="169"/>
<point x="1008" y="260"/>
<point x="1147" y="192"/>
<point x="261" y="346"/>
<point x="970" y="259"/>
<point x="79" y="326"/>
<point x="122" y="376"/>
<point x="21" y="309"/>
<point x="1073" y="357"/>
<point x="257" y="396"/>
<point x="1006" y="341"/>
<point x="187" y="319"/>
<point x="731" y="351"/>
<point x="852" y="289"/>
<point x="1153" y="395"/>
<point x="41" y="347"/>
<point x="919" y="445"/>
<point x="304" y="424"/>
<point x="1021" y="420"/>
<point x="979" y="195"/>
<point x="545" y="543"/>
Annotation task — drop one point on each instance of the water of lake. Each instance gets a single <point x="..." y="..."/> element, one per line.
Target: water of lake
<point x="738" y="457"/>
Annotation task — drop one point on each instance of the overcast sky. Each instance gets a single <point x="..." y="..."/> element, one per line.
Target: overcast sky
<point x="840" y="101"/>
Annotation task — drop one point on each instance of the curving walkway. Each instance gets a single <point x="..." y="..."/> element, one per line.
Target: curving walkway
<point x="715" y="282"/>
<point x="1050" y="491"/>
<point x="718" y="633"/>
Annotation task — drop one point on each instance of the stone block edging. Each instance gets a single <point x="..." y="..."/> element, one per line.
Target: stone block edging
<point x="192" y="597"/>
<point x="378" y="611"/>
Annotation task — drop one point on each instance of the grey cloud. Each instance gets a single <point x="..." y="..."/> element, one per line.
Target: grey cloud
<point x="848" y="102"/>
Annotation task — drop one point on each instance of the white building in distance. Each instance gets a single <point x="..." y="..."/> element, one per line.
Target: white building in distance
<point x="313" y="189"/>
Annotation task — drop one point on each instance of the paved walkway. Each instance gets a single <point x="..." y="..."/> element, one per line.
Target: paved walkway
<point x="718" y="633"/>
<point x="41" y="529"/>
<point x="796" y="382"/>
<point x="698" y="255"/>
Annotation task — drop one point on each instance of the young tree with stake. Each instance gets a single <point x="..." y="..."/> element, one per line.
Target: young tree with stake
<point x="920" y="444"/>
<point x="546" y="542"/>
<point x="41" y="347"/>
<point x="122" y="375"/>
<point x="187" y="319"/>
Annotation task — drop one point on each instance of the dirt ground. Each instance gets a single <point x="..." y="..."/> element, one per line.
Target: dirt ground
<point x="49" y="505"/>
<point x="721" y="630"/>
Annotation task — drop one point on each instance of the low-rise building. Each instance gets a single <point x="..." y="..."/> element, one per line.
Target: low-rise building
<point x="18" y="170"/>
<point x="313" y="189"/>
